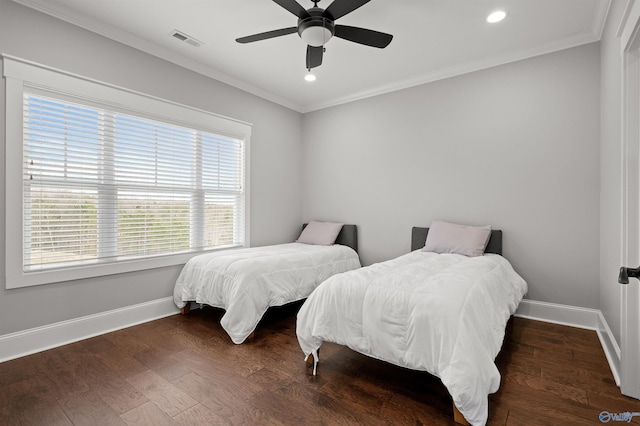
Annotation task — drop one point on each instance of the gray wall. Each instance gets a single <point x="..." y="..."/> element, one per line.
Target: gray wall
<point x="515" y="146"/>
<point x="275" y="158"/>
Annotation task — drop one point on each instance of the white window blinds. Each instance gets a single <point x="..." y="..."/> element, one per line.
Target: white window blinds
<point x="104" y="180"/>
<point x="102" y="186"/>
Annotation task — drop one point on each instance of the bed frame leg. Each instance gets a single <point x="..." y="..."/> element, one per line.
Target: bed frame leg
<point x="185" y="309"/>
<point x="309" y="360"/>
<point x="458" y="417"/>
<point x="312" y="361"/>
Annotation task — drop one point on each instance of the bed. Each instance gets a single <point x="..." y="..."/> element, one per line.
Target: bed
<point x="444" y="313"/>
<point x="245" y="282"/>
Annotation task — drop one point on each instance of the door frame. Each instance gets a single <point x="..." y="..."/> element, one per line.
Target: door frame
<point x="630" y="238"/>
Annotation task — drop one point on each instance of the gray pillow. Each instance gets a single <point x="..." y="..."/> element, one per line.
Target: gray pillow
<point x="320" y="233"/>
<point x="445" y="237"/>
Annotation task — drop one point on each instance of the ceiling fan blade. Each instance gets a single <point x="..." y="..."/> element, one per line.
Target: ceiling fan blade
<point x="340" y="8"/>
<point x="314" y="56"/>
<point x="294" y="7"/>
<point x="363" y="36"/>
<point x="268" y="34"/>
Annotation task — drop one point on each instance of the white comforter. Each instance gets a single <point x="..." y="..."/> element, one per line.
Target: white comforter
<point x="441" y="313"/>
<point x="245" y="282"/>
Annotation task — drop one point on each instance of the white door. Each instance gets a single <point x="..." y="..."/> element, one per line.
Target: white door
<point x="630" y="312"/>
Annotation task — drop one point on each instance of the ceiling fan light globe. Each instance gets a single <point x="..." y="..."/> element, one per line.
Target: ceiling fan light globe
<point x="316" y="36"/>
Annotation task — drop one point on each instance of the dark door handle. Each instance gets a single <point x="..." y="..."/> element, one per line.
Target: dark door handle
<point x="625" y="273"/>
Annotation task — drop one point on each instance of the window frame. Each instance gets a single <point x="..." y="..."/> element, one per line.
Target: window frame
<point x="20" y="76"/>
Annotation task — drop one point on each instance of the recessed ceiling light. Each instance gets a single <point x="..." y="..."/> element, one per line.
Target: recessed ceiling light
<point x="310" y="77"/>
<point x="496" y="16"/>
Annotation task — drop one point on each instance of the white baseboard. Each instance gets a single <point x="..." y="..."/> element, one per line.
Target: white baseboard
<point x="591" y="319"/>
<point x="38" y="339"/>
<point x="610" y="346"/>
<point x="558" y="314"/>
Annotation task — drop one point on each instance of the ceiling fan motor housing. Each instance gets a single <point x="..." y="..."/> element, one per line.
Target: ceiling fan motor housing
<point x="316" y="30"/>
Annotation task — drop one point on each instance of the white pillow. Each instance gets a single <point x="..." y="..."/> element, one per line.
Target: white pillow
<point x="320" y="233"/>
<point x="445" y="237"/>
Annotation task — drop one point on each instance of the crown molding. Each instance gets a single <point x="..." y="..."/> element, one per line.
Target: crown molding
<point x="153" y="49"/>
<point x="131" y="40"/>
<point x="600" y="17"/>
<point x="460" y="69"/>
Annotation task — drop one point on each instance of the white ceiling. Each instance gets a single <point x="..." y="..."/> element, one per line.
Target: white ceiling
<point x="433" y="39"/>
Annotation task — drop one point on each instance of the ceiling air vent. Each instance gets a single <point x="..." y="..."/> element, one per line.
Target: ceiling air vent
<point x="186" y="38"/>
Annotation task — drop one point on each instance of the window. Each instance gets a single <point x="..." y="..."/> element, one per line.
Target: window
<point x="117" y="182"/>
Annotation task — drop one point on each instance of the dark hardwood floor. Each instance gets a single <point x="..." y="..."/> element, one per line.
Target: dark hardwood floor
<point x="185" y="370"/>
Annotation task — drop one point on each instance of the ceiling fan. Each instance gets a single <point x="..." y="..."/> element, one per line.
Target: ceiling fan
<point x="316" y="26"/>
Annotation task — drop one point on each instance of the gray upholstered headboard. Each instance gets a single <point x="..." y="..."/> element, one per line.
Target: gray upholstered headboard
<point x="348" y="236"/>
<point x="419" y="237"/>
